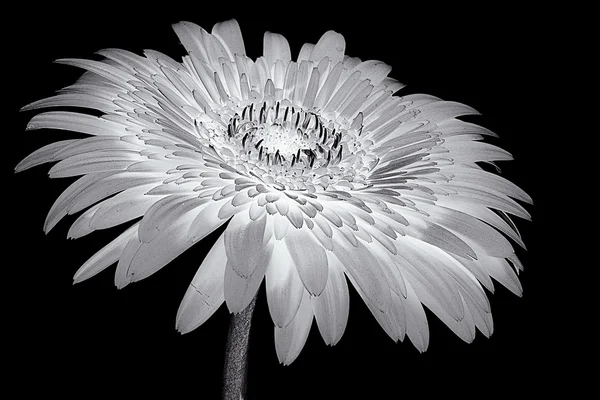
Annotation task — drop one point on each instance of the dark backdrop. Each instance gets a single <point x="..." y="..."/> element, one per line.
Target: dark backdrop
<point x="89" y="337"/>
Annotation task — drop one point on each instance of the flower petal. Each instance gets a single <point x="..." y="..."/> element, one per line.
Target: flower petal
<point x="290" y="340"/>
<point x="365" y="271"/>
<point x="43" y="155"/>
<point x="331" y="45"/>
<point x="206" y="221"/>
<point x="417" y="327"/>
<point x="107" y="256"/>
<point x="428" y="275"/>
<point x="77" y="122"/>
<point x="284" y="286"/>
<point x="332" y="307"/>
<point x="164" y="212"/>
<point x="309" y="257"/>
<point x="230" y="34"/>
<point x="245" y="244"/>
<point x="82" y="225"/>
<point x="205" y="293"/>
<point x="239" y="291"/>
<point x="142" y="259"/>
<point x="125" y="206"/>
<point x="500" y="270"/>
<point x="276" y="47"/>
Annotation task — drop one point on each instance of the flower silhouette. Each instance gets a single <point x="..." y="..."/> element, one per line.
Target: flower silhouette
<point x="322" y="173"/>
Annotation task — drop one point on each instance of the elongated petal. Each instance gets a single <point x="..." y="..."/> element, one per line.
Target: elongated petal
<point x="82" y="225"/>
<point x="276" y="47"/>
<point x="245" y="244"/>
<point x="205" y="293"/>
<point x="363" y="267"/>
<point x="107" y="256"/>
<point x="290" y="340"/>
<point x="417" y="327"/>
<point x="429" y="275"/>
<point x="283" y="285"/>
<point x="123" y="207"/>
<point x="230" y="34"/>
<point x="43" y="155"/>
<point x="309" y="257"/>
<point x="331" y="45"/>
<point x="205" y="222"/>
<point x="164" y="212"/>
<point x="71" y="121"/>
<point x="332" y="307"/>
<point x="142" y="259"/>
<point x="239" y="290"/>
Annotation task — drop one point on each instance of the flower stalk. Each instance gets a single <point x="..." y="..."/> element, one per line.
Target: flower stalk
<point x="235" y="372"/>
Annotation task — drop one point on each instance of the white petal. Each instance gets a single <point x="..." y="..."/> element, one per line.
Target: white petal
<point x="485" y="214"/>
<point x="93" y="163"/>
<point x="375" y="71"/>
<point x="123" y="207"/>
<point x="472" y="151"/>
<point x="463" y="327"/>
<point x="439" y="111"/>
<point x="500" y="270"/>
<point x="311" y="89"/>
<point x="290" y="340"/>
<point x="43" y="155"/>
<point x="245" y="244"/>
<point x="305" y="51"/>
<point x="104" y="258"/>
<point x="360" y="264"/>
<point x="284" y="286"/>
<point x="140" y="260"/>
<point x="309" y="257"/>
<point x="191" y="36"/>
<point x="239" y="291"/>
<point x="276" y="47"/>
<point x="205" y="293"/>
<point x="82" y="225"/>
<point x="421" y="228"/>
<point x="385" y="320"/>
<point x="85" y="100"/>
<point x="61" y="205"/>
<point x="280" y="226"/>
<point x="112" y="73"/>
<point x="490" y="180"/>
<point x="206" y="221"/>
<point x="331" y="45"/>
<point x="331" y="308"/>
<point x="110" y="184"/>
<point x="72" y="121"/>
<point x="328" y="87"/>
<point x="428" y="274"/>
<point x="164" y="212"/>
<point x="482" y="238"/>
<point x="230" y="34"/>
<point x="417" y="327"/>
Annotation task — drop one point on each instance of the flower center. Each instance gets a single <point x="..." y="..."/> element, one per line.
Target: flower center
<point x="289" y="147"/>
<point x="282" y="135"/>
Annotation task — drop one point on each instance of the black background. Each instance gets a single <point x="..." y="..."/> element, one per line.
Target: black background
<point x="90" y="337"/>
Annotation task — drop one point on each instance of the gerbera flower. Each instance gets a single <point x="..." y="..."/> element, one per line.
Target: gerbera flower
<point x="322" y="173"/>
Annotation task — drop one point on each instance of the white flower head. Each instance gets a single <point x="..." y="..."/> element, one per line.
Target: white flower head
<point x="321" y="172"/>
